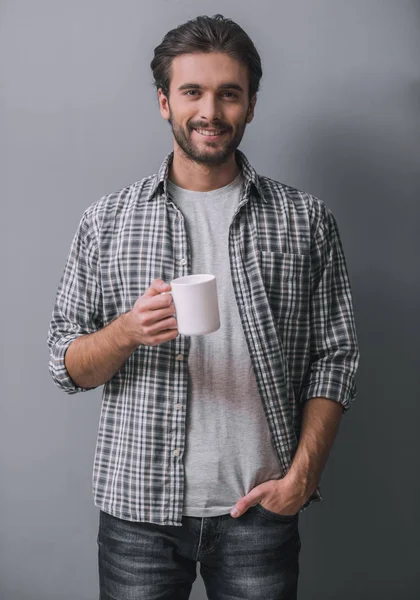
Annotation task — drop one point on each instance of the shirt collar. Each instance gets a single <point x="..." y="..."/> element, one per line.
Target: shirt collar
<point x="249" y="174"/>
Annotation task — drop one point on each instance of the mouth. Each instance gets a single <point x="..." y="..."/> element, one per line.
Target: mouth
<point x="212" y="134"/>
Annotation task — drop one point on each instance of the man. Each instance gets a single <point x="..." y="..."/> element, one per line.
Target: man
<point x="210" y="446"/>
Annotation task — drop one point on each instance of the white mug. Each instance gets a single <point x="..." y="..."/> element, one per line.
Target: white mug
<point x="196" y="304"/>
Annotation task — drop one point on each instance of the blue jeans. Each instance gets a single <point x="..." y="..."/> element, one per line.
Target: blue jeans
<point x="255" y="556"/>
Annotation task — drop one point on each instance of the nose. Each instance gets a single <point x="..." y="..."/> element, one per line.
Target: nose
<point x="210" y="108"/>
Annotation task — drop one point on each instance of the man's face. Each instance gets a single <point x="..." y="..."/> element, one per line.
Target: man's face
<point x="208" y="95"/>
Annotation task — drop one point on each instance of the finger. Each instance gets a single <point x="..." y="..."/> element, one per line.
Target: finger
<point x="159" y="302"/>
<point x="166" y="336"/>
<point x="244" y="504"/>
<point x="154" y="315"/>
<point x="163" y="325"/>
<point x="157" y="287"/>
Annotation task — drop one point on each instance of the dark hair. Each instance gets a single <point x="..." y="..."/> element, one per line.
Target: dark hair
<point x="206" y="34"/>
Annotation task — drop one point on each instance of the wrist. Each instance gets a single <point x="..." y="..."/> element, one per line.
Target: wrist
<point x="126" y="337"/>
<point x="303" y="480"/>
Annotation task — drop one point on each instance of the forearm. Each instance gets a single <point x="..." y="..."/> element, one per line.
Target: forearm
<point x="320" y="423"/>
<point x="93" y="359"/>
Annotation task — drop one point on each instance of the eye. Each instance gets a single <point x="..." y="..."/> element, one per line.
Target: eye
<point x="193" y="93"/>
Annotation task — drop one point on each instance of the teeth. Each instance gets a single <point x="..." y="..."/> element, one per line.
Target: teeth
<point x="207" y="132"/>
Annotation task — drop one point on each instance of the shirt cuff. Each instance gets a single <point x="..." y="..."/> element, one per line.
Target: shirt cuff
<point x="332" y="389"/>
<point x="315" y="497"/>
<point x="58" y="369"/>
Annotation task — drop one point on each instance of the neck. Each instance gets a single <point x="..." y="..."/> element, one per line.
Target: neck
<point x="190" y="175"/>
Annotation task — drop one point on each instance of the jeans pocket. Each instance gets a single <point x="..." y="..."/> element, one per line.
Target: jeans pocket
<point x="276" y="516"/>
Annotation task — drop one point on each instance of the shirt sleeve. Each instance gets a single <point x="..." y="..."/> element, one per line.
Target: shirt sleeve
<point x="334" y="351"/>
<point x="78" y="302"/>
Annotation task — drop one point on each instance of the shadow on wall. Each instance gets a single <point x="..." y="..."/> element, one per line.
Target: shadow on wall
<point x="362" y="158"/>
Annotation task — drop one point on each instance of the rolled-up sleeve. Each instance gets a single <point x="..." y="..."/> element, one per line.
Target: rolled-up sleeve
<point x="78" y="302"/>
<point x="334" y="351"/>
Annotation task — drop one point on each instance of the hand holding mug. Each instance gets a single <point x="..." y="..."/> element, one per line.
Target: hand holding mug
<point x="151" y="321"/>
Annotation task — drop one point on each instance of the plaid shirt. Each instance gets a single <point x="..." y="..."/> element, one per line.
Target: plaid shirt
<point x="292" y="289"/>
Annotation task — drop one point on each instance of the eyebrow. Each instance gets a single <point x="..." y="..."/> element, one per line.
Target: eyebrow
<point x="223" y="86"/>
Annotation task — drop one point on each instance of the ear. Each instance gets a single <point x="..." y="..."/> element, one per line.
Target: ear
<point x="163" y="104"/>
<point x="251" y="107"/>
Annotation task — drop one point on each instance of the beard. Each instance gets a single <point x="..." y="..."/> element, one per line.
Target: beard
<point x="210" y="156"/>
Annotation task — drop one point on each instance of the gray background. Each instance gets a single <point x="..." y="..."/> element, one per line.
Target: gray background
<point x="337" y="116"/>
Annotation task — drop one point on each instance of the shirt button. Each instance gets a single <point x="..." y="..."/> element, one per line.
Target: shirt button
<point x="176" y="452"/>
<point x="179" y="357"/>
<point x="183" y="261"/>
<point x="178" y="406"/>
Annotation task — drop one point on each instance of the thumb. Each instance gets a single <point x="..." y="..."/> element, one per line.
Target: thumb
<point x="245" y="503"/>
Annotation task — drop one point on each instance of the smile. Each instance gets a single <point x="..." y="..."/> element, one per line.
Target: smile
<point x="210" y="132"/>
